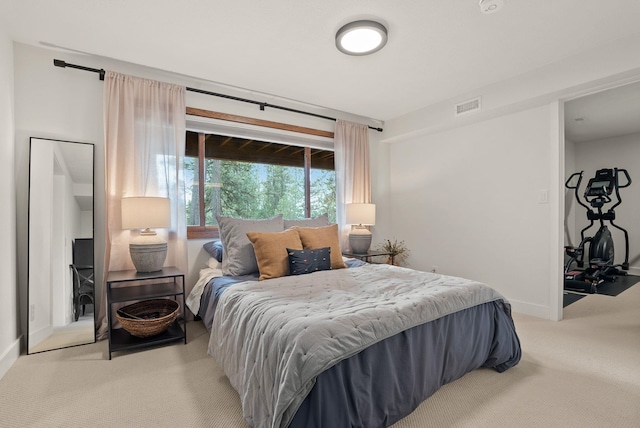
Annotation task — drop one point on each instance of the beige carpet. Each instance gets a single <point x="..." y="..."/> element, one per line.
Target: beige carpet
<point x="581" y="372"/>
<point x="75" y="333"/>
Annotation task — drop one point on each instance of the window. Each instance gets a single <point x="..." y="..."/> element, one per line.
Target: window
<point x="254" y="179"/>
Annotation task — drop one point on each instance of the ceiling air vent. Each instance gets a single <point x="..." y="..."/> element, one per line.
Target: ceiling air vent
<point x="468" y="106"/>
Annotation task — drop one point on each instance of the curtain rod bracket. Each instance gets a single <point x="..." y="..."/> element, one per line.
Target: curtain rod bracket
<point x="262" y="106"/>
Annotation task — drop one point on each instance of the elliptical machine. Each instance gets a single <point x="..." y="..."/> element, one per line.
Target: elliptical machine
<point x="601" y="266"/>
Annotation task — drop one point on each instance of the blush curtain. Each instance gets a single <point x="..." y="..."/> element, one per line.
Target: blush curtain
<point x="145" y="130"/>
<point x="353" y="177"/>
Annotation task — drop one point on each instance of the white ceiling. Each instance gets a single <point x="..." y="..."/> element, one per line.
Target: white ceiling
<point x="78" y="158"/>
<point x="436" y="49"/>
<point x="607" y="114"/>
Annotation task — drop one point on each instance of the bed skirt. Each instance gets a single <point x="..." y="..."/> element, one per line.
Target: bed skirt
<point x="388" y="380"/>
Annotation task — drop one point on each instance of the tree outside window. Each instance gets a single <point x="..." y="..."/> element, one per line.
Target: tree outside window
<point x="252" y="179"/>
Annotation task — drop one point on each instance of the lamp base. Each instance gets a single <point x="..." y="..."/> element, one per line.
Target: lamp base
<point x="148" y="257"/>
<point x="360" y="240"/>
<point x="148" y="251"/>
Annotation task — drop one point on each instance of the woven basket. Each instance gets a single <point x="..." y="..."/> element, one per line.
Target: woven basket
<point x="148" y="317"/>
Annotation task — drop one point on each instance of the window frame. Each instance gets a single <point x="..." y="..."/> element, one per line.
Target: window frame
<point x="202" y="231"/>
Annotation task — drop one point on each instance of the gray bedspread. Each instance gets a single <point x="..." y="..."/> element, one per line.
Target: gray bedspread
<point x="274" y="337"/>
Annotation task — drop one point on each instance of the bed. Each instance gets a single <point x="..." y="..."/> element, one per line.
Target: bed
<point x="361" y="345"/>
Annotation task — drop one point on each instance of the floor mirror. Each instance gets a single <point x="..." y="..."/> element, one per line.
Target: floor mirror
<point x="61" y="282"/>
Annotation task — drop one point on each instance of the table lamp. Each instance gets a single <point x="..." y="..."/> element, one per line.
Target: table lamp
<point x="360" y="215"/>
<point x="148" y="250"/>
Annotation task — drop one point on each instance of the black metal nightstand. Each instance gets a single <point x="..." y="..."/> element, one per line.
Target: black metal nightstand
<point x="168" y="282"/>
<point x="366" y="257"/>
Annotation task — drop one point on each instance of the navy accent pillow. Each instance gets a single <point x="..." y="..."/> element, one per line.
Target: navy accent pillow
<point x="309" y="261"/>
<point x="214" y="248"/>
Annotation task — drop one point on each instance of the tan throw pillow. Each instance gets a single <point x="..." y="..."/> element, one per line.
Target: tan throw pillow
<point x="271" y="251"/>
<point x="320" y="237"/>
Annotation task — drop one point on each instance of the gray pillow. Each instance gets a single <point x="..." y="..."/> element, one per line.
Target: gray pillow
<point x="321" y="220"/>
<point x="239" y="257"/>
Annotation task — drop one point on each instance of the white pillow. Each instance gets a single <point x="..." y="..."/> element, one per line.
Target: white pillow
<point x="213" y="263"/>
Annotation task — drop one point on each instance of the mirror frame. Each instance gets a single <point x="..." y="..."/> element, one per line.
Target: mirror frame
<point x="30" y="308"/>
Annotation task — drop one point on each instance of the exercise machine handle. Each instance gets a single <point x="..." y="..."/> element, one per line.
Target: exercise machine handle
<point x="575" y="189"/>
<point x="577" y="185"/>
<point x="618" y="187"/>
<point x="626" y="175"/>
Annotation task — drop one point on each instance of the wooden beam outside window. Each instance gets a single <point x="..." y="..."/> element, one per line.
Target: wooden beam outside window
<point x="201" y="177"/>
<point x="210" y="232"/>
<point x="258" y="122"/>
<point x="307" y="182"/>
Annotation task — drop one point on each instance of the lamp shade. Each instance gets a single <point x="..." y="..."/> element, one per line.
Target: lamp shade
<point x="361" y="214"/>
<point x="146" y="213"/>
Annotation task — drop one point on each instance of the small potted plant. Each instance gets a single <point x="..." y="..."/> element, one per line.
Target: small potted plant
<point x="398" y="250"/>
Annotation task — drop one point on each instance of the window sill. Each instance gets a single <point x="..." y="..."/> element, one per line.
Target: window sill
<point x="203" y="232"/>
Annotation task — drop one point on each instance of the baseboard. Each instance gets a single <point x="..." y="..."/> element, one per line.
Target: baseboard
<point x="9" y="357"/>
<point x="38" y="336"/>
<point x="634" y="271"/>
<point x="537" y="311"/>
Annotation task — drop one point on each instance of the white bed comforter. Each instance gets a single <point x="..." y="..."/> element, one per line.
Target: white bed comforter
<point x="212" y="270"/>
<point x="274" y="337"/>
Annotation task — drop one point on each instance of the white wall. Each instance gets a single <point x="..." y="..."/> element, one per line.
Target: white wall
<point x="85" y="225"/>
<point x="59" y="285"/>
<point x="70" y="218"/>
<point x="620" y="152"/>
<point x="570" y="211"/>
<point x="467" y="201"/>
<point x="9" y="309"/>
<point x="40" y="293"/>
<point x="380" y="154"/>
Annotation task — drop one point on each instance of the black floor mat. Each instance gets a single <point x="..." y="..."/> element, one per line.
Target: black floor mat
<point x="621" y="284"/>
<point x="570" y="298"/>
<point x="614" y="288"/>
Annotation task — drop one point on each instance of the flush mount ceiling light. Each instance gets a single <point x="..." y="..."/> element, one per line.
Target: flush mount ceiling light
<point x="491" y="6"/>
<point x="361" y="37"/>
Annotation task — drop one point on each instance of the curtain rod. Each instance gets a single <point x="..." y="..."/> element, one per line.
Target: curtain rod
<point x="263" y="105"/>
